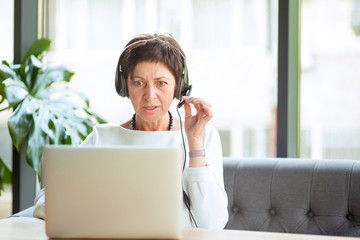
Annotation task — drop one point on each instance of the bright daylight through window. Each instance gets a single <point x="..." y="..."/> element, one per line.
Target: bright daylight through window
<point x="231" y="50"/>
<point x="330" y="86"/>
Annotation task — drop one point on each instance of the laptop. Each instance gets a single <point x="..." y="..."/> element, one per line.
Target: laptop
<point x="112" y="192"/>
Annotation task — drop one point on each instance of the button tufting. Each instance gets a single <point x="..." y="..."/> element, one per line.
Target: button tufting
<point x="272" y="212"/>
<point x="310" y="214"/>
<point x="350" y="217"/>
<point x="235" y="209"/>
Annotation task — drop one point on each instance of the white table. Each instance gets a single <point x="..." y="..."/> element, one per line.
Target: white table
<point x="31" y="228"/>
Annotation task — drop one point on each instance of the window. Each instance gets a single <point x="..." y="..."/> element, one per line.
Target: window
<point x="231" y="49"/>
<point x="330" y="86"/>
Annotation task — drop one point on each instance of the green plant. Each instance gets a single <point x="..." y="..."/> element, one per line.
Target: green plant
<point x="5" y="175"/>
<point x="43" y="110"/>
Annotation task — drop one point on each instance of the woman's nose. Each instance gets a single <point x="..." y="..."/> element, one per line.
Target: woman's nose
<point x="149" y="92"/>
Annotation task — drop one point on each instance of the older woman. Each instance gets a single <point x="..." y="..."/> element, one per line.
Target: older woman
<point x="152" y="72"/>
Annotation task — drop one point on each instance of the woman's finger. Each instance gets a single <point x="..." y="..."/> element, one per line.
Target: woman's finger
<point x="187" y="109"/>
<point x="205" y="113"/>
<point x="208" y="112"/>
<point x="196" y="101"/>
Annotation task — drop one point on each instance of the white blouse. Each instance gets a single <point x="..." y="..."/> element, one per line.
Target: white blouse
<point x="204" y="185"/>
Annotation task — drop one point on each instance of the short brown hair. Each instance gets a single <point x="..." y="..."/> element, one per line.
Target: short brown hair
<point x="153" y="48"/>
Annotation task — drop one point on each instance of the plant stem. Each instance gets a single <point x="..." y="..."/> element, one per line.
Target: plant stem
<point x="8" y="107"/>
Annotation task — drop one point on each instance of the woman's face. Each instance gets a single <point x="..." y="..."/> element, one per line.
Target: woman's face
<point x="151" y="90"/>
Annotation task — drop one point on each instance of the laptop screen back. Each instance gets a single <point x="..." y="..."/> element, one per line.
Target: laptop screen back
<point x="112" y="192"/>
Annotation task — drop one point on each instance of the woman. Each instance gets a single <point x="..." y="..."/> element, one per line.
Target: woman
<point x="152" y="72"/>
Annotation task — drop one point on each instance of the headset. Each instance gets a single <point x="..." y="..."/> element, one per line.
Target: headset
<point x="183" y="89"/>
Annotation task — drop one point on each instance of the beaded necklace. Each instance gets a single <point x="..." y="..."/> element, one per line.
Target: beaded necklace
<point x="133" y="124"/>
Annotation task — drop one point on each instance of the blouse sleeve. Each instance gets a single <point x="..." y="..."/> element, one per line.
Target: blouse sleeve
<point x="39" y="204"/>
<point x="205" y="185"/>
<point x="89" y="140"/>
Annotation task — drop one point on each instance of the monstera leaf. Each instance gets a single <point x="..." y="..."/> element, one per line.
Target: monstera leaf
<point x="5" y="175"/>
<point x="43" y="112"/>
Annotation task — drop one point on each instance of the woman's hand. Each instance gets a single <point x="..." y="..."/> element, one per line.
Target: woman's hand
<point x="195" y="124"/>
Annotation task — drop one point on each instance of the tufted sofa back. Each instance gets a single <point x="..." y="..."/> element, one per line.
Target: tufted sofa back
<point x="292" y="195"/>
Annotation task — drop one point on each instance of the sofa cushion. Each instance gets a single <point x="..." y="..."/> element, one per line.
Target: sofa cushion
<point x="292" y="195"/>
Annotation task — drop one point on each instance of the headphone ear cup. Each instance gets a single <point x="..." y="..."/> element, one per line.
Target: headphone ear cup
<point x="117" y="84"/>
<point x="180" y="88"/>
<point x="120" y="83"/>
<point x="123" y="86"/>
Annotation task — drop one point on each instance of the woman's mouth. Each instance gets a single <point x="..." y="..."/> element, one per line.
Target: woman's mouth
<point x="150" y="109"/>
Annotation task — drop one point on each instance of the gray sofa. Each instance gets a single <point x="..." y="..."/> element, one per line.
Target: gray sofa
<point x="291" y="195"/>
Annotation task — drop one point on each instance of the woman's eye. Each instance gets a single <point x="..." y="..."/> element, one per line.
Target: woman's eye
<point x="162" y="83"/>
<point x="138" y="83"/>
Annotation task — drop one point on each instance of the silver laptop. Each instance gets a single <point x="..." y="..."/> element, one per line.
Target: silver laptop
<point x="112" y="192"/>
